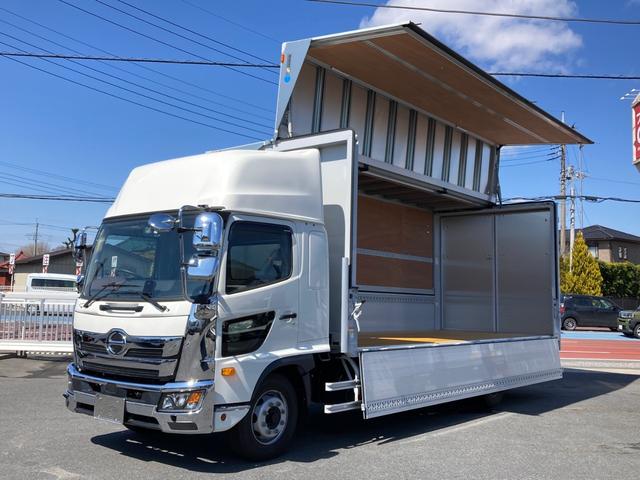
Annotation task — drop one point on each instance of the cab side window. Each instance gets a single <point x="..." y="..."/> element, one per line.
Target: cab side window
<point x="259" y="254"/>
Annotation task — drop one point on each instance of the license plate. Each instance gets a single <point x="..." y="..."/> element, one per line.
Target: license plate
<point x="109" y="408"/>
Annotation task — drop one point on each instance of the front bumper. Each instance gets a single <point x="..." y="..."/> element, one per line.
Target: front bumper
<point x="141" y="401"/>
<point x="625" y="325"/>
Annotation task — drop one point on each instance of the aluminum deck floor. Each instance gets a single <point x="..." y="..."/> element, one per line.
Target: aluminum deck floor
<point x="380" y="339"/>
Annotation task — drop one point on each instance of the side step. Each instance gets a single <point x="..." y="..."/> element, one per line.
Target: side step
<point x="337" y="386"/>
<point x="342" y="407"/>
<point x="344" y="385"/>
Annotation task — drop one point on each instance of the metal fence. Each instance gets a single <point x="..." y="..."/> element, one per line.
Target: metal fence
<point x="36" y="322"/>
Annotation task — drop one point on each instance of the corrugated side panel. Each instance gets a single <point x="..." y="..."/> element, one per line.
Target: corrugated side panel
<point x="390" y="132"/>
<point x="395" y="380"/>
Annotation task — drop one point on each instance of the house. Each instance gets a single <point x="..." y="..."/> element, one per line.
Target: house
<point x="60" y="261"/>
<point x="610" y="245"/>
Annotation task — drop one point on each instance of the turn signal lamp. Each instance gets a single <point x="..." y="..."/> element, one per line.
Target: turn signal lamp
<point x="228" y="371"/>
<point x="185" y="401"/>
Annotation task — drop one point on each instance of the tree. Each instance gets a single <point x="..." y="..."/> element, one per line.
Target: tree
<point x="583" y="276"/>
<point x="620" y="279"/>
<point x="43" y="247"/>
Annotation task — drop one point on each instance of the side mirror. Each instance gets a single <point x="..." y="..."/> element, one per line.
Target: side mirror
<point x="162" y="222"/>
<point x="79" y="247"/>
<point x="207" y="238"/>
<point x="207" y="235"/>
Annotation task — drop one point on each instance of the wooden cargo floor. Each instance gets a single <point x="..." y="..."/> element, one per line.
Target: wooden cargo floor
<point x="379" y="339"/>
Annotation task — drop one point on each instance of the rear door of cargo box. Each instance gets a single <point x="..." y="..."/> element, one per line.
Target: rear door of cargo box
<point x="499" y="270"/>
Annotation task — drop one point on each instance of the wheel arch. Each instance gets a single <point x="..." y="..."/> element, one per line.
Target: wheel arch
<point x="297" y="369"/>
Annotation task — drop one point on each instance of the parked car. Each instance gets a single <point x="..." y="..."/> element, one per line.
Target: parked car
<point x="588" y="311"/>
<point x="51" y="282"/>
<point x="629" y="322"/>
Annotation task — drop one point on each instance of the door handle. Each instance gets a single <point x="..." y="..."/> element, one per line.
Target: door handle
<point x="288" y="316"/>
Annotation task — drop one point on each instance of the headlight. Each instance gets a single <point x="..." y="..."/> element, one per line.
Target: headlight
<point x="181" y="401"/>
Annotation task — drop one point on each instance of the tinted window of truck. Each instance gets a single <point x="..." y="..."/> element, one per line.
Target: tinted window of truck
<point x="259" y="254"/>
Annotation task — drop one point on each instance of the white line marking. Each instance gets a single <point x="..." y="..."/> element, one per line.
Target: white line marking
<point x="465" y="426"/>
<point x="580" y="351"/>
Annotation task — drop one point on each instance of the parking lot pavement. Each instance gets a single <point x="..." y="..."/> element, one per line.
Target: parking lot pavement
<point x="584" y="426"/>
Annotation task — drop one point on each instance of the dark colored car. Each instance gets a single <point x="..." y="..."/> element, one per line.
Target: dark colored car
<point x="588" y="311"/>
<point x="629" y="322"/>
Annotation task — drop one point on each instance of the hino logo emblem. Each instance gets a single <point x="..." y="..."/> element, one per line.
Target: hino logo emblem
<point x="116" y="342"/>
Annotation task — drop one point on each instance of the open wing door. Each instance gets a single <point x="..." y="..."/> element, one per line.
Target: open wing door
<point x="339" y="176"/>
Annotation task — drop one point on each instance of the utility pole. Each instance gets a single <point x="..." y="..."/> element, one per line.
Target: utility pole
<point x="572" y="216"/>
<point x="35" y="239"/>
<point x="563" y="196"/>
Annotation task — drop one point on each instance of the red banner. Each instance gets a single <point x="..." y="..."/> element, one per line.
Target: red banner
<point x="636" y="132"/>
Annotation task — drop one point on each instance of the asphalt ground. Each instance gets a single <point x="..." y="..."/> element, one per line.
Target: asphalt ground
<point x="583" y="426"/>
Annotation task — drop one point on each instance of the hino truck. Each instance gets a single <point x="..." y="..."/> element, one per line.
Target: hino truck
<point x="360" y="260"/>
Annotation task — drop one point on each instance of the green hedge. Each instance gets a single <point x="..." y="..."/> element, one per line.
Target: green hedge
<point x="620" y="279"/>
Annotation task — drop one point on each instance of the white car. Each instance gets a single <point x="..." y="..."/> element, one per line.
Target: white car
<point x="51" y="282"/>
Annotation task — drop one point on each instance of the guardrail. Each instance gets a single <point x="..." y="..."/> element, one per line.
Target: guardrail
<point x="36" y="322"/>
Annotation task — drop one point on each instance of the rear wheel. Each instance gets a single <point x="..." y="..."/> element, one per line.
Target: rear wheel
<point x="267" y="430"/>
<point x="569" y="323"/>
<point x="491" y="400"/>
<point x="636" y="331"/>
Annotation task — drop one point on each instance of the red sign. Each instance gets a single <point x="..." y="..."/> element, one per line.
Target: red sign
<point x="636" y="131"/>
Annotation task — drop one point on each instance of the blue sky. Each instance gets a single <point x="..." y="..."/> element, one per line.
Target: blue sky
<point x="54" y="127"/>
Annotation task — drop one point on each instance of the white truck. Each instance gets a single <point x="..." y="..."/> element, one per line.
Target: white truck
<point x="360" y="260"/>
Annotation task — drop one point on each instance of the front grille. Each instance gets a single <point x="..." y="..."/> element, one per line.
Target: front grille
<point x="144" y="352"/>
<point x="144" y="358"/>
<point x="128" y="372"/>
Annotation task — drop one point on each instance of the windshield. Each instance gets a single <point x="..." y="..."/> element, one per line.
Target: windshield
<point x="130" y="261"/>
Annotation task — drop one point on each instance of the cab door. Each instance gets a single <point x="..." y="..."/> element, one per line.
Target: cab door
<point x="257" y="303"/>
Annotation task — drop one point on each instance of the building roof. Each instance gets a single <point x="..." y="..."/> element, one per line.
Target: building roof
<point x="38" y="258"/>
<point x="286" y="184"/>
<point x="599" y="232"/>
<point x="411" y="66"/>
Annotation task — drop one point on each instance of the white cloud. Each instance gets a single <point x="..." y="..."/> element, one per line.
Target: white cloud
<point x="497" y="43"/>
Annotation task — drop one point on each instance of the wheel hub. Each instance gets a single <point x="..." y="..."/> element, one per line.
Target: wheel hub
<point x="269" y="417"/>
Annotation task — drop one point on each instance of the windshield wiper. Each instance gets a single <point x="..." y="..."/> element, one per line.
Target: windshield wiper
<point x="147" y="297"/>
<point x="96" y="296"/>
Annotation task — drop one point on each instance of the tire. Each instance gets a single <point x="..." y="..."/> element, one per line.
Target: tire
<point x="491" y="400"/>
<point x="276" y="403"/>
<point x="569" y="324"/>
<point x="636" y="330"/>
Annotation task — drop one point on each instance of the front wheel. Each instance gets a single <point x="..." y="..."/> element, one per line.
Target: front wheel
<point x="267" y="430"/>
<point x="636" y="331"/>
<point x="569" y="324"/>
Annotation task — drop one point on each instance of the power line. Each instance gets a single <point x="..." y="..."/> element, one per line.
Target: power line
<point x="145" y="67"/>
<point x="535" y="162"/>
<point x="136" y="84"/>
<point x="612" y="180"/>
<point x="564" y="75"/>
<point x="488" y="14"/>
<point x="162" y="102"/>
<point x="586" y="198"/>
<point x="138" y="60"/>
<point x="218" y="42"/>
<point x="60" y="177"/>
<point x="43" y="184"/>
<point x="529" y="157"/>
<point x="62" y="198"/>
<point x="129" y="100"/>
<point x="239" y="25"/>
<point x="132" y="30"/>
<point x="275" y="66"/>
